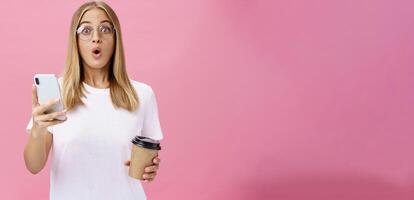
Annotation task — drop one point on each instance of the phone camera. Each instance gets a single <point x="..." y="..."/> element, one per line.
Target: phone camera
<point x="37" y="81"/>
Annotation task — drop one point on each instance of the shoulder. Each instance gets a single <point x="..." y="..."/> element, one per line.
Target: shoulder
<point x="141" y="88"/>
<point x="144" y="91"/>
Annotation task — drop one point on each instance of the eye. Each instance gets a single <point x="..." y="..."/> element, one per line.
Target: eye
<point x="105" y="29"/>
<point x="85" y="30"/>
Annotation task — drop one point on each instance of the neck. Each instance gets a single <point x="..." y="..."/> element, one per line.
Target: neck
<point x="96" y="77"/>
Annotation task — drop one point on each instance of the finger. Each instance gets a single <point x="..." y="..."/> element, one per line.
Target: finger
<point x="51" y="116"/>
<point x="51" y="123"/>
<point x="39" y="119"/>
<point x="34" y="96"/>
<point x="42" y="108"/>
<point x="156" y="160"/>
<point x="127" y="162"/>
<point x="149" y="175"/>
<point x="148" y="180"/>
<point x="153" y="168"/>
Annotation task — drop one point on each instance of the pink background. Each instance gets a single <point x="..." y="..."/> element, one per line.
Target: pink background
<point x="290" y="99"/>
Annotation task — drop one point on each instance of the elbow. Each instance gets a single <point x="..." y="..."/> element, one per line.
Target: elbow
<point x="33" y="167"/>
<point x="33" y="171"/>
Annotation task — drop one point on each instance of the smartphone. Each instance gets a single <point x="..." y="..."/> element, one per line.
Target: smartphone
<point x="48" y="88"/>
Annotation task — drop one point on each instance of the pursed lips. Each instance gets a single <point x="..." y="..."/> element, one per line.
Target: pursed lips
<point x="96" y="52"/>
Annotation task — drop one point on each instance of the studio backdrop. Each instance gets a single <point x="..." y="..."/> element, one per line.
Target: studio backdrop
<point x="258" y="99"/>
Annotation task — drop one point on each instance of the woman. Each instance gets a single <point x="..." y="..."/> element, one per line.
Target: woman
<point x="104" y="110"/>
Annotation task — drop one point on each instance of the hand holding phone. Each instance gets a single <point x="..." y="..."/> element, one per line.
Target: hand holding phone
<point x="47" y="106"/>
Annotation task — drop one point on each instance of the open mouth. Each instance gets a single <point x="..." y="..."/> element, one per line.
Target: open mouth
<point x="96" y="52"/>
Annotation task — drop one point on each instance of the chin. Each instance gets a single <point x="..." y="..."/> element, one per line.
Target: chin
<point x="97" y="64"/>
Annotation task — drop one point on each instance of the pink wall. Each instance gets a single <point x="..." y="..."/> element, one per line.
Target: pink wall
<point x="291" y="99"/>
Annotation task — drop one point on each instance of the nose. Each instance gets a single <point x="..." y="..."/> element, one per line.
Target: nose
<point x="96" y="37"/>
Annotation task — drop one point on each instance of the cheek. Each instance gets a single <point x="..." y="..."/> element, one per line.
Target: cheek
<point x="83" y="49"/>
<point x="110" y="46"/>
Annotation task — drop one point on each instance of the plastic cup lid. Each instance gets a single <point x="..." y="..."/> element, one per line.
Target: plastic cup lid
<point x="146" y="142"/>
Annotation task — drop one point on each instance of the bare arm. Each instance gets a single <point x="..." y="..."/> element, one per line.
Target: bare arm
<point x="37" y="149"/>
<point x="40" y="141"/>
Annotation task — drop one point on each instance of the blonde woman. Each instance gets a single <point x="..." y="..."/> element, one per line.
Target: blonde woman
<point x="104" y="110"/>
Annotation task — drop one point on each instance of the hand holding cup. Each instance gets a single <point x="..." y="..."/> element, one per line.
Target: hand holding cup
<point x="150" y="171"/>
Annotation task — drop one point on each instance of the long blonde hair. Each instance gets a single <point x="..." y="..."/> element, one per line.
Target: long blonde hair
<point x="123" y="94"/>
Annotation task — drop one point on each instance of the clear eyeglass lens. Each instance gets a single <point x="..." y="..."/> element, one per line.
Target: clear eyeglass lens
<point x="105" y="29"/>
<point x="85" y="32"/>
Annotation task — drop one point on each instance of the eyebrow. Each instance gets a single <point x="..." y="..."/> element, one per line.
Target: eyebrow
<point x="91" y="22"/>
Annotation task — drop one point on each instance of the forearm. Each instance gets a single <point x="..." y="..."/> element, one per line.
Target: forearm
<point x="35" y="152"/>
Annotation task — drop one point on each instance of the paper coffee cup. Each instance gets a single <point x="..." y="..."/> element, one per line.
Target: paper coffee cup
<point x="144" y="150"/>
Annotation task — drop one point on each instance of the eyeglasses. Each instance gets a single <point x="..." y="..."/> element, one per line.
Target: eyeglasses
<point x="105" y="30"/>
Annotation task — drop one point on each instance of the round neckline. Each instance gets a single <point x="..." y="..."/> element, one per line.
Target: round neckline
<point x="92" y="89"/>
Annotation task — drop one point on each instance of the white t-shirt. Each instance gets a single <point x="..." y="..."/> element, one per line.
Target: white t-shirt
<point x="90" y="147"/>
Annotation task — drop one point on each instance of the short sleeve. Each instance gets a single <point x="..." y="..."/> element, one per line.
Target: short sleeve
<point x="30" y="125"/>
<point x="151" y="127"/>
